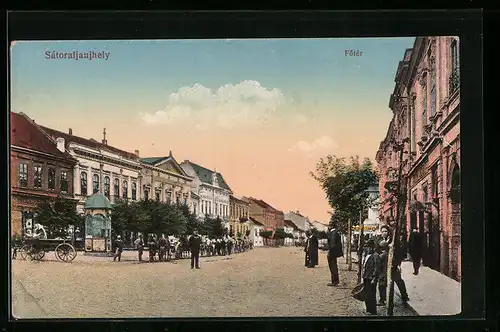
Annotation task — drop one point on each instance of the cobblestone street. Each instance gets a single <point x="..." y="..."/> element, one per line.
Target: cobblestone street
<point x="259" y="283"/>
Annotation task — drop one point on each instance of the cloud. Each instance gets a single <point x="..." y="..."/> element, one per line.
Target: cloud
<point x="244" y="103"/>
<point x="322" y="143"/>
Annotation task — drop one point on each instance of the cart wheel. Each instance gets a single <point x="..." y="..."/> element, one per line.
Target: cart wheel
<point x="36" y="255"/>
<point x="23" y="252"/>
<point x="65" y="252"/>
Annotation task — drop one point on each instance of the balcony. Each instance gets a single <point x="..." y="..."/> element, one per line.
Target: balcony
<point x="454" y="81"/>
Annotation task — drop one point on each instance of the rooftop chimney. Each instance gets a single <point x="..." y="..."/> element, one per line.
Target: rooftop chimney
<point x="70" y="131"/>
<point x="137" y="153"/>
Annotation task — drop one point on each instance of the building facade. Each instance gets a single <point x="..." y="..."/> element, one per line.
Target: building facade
<point x="298" y="219"/>
<point x="39" y="170"/>
<point x="239" y="222"/>
<point x="264" y="213"/>
<point x="212" y="190"/>
<point x="255" y="229"/>
<point x="164" y="180"/>
<point x="101" y="168"/>
<point x="426" y="128"/>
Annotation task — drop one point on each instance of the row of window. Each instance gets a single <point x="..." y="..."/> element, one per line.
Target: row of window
<point x="220" y="209"/>
<point x="38" y="177"/>
<point x="239" y="212"/>
<point x="431" y="91"/>
<point x="116" y="186"/>
<point x="168" y="195"/>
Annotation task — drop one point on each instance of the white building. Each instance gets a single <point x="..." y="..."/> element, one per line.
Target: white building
<point x="255" y="229"/>
<point x="212" y="190"/>
<point x="164" y="179"/>
<point x="299" y="220"/>
<point x="101" y="168"/>
<point x="372" y="222"/>
<point x="291" y="228"/>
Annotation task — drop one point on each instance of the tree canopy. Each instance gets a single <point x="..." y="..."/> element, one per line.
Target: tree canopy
<point x="345" y="183"/>
<point x="58" y="215"/>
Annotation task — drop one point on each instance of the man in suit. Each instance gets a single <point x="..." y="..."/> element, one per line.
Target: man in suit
<point x="382" y="279"/>
<point x="371" y="270"/>
<point x="415" y="244"/>
<point x="139" y="244"/>
<point x="194" y="246"/>
<point x="335" y="251"/>
<point x="312" y="250"/>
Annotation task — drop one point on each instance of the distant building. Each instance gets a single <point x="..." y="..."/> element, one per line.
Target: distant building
<point x="255" y="229"/>
<point x="164" y="180"/>
<point x="319" y="226"/>
<point x="238" y="216"/>
<point x="298" y="219"/>
<point x="264" y="213"/>
<point x="211" y="190"/>
<point x="40" y="168"/>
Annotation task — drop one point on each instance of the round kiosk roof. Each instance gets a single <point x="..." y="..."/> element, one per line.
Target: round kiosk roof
<point x="97" y="201"/>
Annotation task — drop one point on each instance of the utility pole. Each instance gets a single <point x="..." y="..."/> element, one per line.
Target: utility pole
<point x="361" y="243"/>
<point x="395" y="233"/>
<point x="349" y="235"/>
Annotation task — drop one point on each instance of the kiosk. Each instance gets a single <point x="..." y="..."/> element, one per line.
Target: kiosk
<point x="97" y="224"/>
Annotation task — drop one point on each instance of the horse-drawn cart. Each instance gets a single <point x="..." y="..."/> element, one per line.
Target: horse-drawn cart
<point x="35" y="249"/>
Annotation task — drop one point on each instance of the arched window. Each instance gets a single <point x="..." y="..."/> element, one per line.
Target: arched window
<point x="125" y="189"/>
<point x="106" y="186"/>
<point x="95" y="184"/>
<point x="134" y="191"/>
<point x="83" y="183"/>
<point x="116" y="188"/>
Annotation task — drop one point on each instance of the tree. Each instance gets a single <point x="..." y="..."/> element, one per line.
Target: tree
<point x="345" y="183"/>
<point x="57" y="215"/>
<point x="214" y="227"/>
<point x="247" y="233"/>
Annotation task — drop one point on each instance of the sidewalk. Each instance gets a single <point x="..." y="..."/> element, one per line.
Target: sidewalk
<point x="431" y="293"/>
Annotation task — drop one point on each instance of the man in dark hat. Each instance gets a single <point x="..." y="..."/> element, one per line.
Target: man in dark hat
<point x="415" y="244"/>
<point x="335" y="251"/>
<point x="194" y="246"/>
<point x="383" y="247"/>
<point x="371" y="270"/>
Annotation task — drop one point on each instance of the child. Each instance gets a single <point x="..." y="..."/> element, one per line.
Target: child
<point x="371" y="270"/>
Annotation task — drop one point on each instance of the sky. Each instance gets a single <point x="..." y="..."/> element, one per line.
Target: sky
<point x="262" y="112"/>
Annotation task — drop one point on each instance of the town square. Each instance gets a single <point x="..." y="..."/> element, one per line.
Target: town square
<point x="236" y="178"/>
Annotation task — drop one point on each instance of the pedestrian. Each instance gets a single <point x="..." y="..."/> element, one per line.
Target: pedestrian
<point x="118" y="248"/>
<point x="152" y="248"/>
<point x="306" y="249"/>
<point x="218" y="247"/>
<point x="194" y="246"/>
<point x="382" y="279"/>
<point x="415" y="244"/>
<point x="334" y="252"/>
<point x="399" y="256"/>
<point x="229" y="246"/>
<point x="371" y="269"/>
<point x="313" y="250"/>
<point x="385" y="234"/>
<point x="139" y="244"/>
<point x="162" y="244"/>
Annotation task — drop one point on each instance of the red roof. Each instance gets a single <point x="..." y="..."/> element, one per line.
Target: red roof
<point x="88" y="142"/>
<point x="264" y="205"/>
<point x="25" y="133"/>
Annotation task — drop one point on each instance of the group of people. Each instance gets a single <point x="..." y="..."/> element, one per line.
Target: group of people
<point x="162" y="248"/>
<point x="375" y="262"/>
<point x="375" y="265"/>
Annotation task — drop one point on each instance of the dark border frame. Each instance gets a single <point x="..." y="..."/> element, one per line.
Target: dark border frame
<point x="466" y="24"/>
